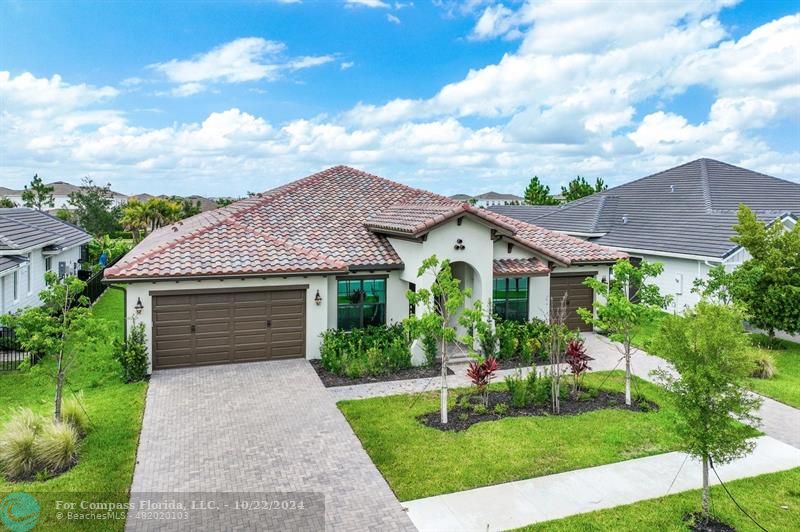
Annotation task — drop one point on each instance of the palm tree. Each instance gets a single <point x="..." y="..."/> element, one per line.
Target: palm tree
<point x="134" y="219"/>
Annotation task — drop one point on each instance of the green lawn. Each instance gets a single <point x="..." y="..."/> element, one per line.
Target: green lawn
<point x="108" y="452"/>
<point x="773" y="500"/>
<point x="419" y="461"/>
<point x="784" y="387"/>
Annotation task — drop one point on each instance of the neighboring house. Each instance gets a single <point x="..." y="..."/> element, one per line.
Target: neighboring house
<point x="264" y="277"/>
<point x="31" y="243"/>
<point x="61" y="192"/>
<point x="682" y="217"/>
<point x="489" y="199"/>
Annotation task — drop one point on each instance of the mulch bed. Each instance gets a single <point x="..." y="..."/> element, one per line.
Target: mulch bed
<point x="463" y="417"/>
<point x="331" y="379"/>
<point x="696" y="522"/>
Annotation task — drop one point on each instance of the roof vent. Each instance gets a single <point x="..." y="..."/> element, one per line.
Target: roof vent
<point x="672" y="188"/>
<point x="624" y="218"/>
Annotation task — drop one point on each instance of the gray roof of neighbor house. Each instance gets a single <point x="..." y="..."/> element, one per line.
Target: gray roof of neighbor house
<point x="23" y="228"/>
<point x="689" y="209"/>
<point x="491" y="195"/>
<point x="9" y="263"/>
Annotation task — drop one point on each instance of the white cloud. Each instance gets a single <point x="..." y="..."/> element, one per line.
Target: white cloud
<point x="367" y="3"/>
<point x="495" y="21"/>
<point x="392" y="18"/>
<point x="345" y="65"/>
<point x="241" y="60"/>
<point x="44" y="96"/>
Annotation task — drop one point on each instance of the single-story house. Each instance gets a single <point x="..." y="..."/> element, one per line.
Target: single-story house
<point x="488" y="199"/>
<point x="682" y="217"/>
<point x="263" y="277"/>
<point x="31" y="243"/>
<point x="61" y="192"/>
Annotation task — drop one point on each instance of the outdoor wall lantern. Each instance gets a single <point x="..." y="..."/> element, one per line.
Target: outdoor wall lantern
<point x="318" y="299"/>
<point x="138" y="307"/>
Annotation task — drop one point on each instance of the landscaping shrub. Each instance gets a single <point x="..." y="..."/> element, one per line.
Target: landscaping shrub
<point x="131" y="353"/>
<point x="368" y="351"/>
<point x="56" y="448"/>
<point x="430" y="346"/>
<point x="763" y="366"/>
<point x="578" y="362"/>
<point x="72" y="412"/>
<point x="481" y="373"/>
<point x="17" y="457"/>
<point x="517" y="388"/>
<point x="526" y="341"/>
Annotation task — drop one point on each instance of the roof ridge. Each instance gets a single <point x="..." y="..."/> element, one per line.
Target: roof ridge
<point x="705" y="185"/>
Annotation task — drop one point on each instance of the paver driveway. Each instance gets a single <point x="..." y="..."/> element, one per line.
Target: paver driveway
<point x="259" y="428"/>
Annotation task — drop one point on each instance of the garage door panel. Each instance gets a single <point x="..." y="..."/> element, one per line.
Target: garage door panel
<point x="228" y="327"/>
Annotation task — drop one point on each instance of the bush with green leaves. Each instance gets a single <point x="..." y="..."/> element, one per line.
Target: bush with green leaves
<point x="131" y="353"/>
<point x="523" y="340"/>
<point x="527" y="390"/>
<point x="431" y="349"/>
<point x="374" y="350"/>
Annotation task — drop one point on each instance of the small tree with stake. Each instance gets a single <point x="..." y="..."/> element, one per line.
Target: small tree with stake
<point x="622" y="304"/>
<point x="60" y="328"/>
<point x="709" y="350"/>
<point x="443" y="302"/>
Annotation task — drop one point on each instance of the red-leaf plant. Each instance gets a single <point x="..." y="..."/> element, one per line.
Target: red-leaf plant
<point x="578" y="361"/>
<point x="481" y="373"/>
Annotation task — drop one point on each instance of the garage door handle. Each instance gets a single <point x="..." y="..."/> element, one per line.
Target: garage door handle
<point x="269" y="323"/>
<point x="193" y="328"/>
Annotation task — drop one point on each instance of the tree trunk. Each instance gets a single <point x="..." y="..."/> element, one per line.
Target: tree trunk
<point x="59" y="386"/>
<point x="443" y="394"/>
<point x="627" y="373"/>
<point x="705" y="486"/>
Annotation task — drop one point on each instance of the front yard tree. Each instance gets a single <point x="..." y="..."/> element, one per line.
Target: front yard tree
<point x="538" y="193"/>
<point x="768" y="284"/>
<point x="710" y="352"/>
<point x="626" y="301"/>
<point x="37" y="195"/>
<point x="443" y="302"/>
<point x="60" y="328"/>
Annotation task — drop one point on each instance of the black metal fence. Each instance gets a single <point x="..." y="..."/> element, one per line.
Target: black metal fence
<point x="12" y="354"/>
<point x="94" y="283"/>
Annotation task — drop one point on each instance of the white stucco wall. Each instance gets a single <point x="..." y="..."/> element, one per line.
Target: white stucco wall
<point x="316" y="315"/>
<point x="678" y="279"/>
<point x="31" y="278"/>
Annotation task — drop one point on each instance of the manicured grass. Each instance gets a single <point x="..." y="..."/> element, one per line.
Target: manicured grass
<point x="785" y="385"/>
<point x="420" y="461"/>
<point x="108" y="452"/>
<point x="773" y="500"/>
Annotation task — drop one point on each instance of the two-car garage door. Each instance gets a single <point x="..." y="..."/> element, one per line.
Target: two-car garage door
<point x="220" y="327"/>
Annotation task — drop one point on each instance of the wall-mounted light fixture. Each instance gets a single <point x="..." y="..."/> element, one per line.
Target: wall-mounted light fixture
<point x="138" y="307"/>
<point x="318" y="299"/>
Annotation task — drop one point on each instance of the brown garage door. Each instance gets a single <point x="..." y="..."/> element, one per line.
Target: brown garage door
<point x="578" y="296"/>
<point x="221" y="327"/>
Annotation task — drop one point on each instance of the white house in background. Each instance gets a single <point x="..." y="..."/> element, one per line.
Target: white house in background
<point x="489" y="199"/>
<point x="31" y="243"/>
<point x="262" y="278"/>
<point x="682" y="217"/>
<point x="61" y="192"/>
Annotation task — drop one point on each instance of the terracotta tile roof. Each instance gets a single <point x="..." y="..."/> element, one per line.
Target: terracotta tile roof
<point x="318" y="224"/>
<point x="415" y="219"/>
<point x="519" y="267"/>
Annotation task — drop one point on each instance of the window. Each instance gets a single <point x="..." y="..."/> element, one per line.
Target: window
<point x="48" y="264"/>
<point x="16" y="286"/>
<point x="360" y="302"/>
<point x="510" y="297"/>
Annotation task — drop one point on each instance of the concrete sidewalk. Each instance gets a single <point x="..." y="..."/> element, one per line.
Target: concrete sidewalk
<point x="778" y="420"/>
<point x="524" y="502"/>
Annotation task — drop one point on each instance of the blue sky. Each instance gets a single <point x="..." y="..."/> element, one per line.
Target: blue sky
<point x="220" y="98"/>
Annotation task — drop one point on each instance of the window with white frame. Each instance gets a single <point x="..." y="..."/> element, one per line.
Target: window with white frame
<point x="16" y="286"/>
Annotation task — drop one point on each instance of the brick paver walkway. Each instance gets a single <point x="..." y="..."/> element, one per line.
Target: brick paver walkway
<point x="255" y="432"/>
